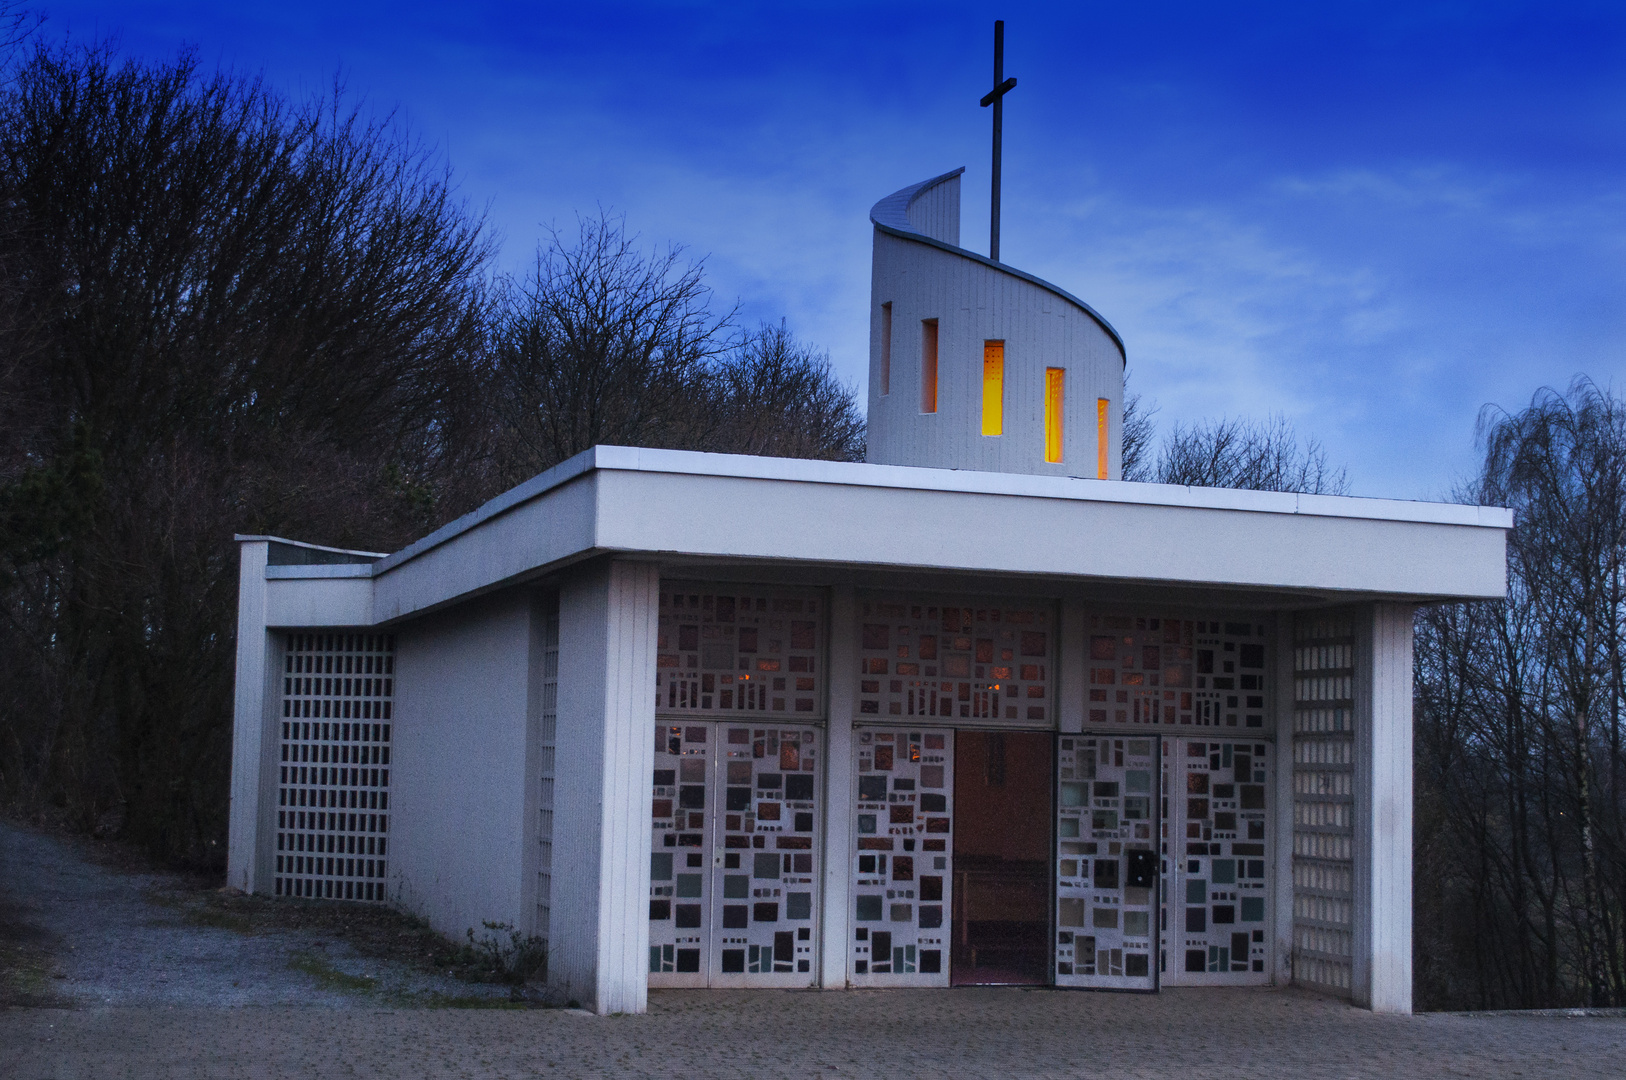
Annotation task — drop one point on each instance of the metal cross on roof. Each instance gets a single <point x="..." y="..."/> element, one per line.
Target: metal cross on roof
<point x="996" y="98"/>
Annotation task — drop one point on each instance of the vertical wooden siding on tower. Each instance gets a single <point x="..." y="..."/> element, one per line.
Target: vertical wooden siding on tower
<point x="937" y="212"/>
<point x="974" y="303"/>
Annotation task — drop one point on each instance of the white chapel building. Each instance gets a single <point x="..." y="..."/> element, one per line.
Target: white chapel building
<point x="975" y="711"/>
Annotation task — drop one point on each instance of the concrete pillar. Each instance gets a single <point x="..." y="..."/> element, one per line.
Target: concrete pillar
<point x="841" y="675"/>
<point x="254" y="730"/>
<point x="608" y="614"/>
<point x="1381" y="974"/>
<point x="1281" y="902"/>
<point x="1072" y="664"/>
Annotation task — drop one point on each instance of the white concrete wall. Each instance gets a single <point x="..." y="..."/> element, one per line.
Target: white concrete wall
<point x="459" y="789"/>
<point x="608" y="621"/>
<point x="1382" y="973"/>
<point x="318" y="595"/>
<point x="254" y="738"/>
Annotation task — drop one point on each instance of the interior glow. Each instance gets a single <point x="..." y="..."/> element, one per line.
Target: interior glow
<point x="1054" y="386"/>
<point x="993" y="387"/>
<point x="1101" y="438"/>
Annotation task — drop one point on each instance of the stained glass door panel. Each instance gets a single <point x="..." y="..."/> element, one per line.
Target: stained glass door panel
<point x="764" y="899"/>
<point x="680" y="870"/>
<point x="1217" y="869"/>
<point x="1106" y="862"/>
<point x="902" y="852"/>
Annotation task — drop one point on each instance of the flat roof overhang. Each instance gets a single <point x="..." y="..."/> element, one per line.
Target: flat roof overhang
<point x="886" y="526"/>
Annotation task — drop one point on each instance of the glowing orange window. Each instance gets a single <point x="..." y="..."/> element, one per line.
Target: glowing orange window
<point x="993" y="388"/>
<point x="1055" y="385"/>
<point x="1101" y="440"/>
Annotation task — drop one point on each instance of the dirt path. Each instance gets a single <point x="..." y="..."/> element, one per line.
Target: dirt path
<point x="76" y="931"/>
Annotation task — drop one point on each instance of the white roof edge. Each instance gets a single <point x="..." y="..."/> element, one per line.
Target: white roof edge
<point x="310" y="572"/>
<point x="244" y="538"/>
<point x="864" y="474"/>
<point x="542" y="482"/>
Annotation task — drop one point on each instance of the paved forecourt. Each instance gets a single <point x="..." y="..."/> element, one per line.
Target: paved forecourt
<point x="1190" y="1034"/>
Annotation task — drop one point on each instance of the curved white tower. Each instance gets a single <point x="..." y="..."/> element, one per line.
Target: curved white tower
<point x="976" y="365"/>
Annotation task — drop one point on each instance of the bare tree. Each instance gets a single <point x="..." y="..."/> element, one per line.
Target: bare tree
<point x="603" y="344"/>
<point x="780" y="398"/>
<point x="1263" y="456"/>
<point x="1519" y="725"/>
<point x="1138" y="435"/>
<point x="223" y="312"/>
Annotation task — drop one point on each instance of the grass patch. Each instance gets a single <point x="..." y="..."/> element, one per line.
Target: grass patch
<point x="330" y="977"/>
<point x="25" y="980"/>
<point x="26" y="953"/>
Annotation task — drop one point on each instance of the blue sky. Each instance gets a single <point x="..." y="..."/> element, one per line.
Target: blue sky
<point x="1373" y="218"/>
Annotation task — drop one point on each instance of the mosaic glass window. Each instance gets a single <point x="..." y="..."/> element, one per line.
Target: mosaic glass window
<point x="902" y="856"/>
<point x="1323" y="800"/>
<point x="1202" y="673"/>
<point x="736" y="826"/>
<point x="333" y="792"/>
<point x="1106" y="861"/>
<point x="736" y="652"/>
<point x="1217" y="864"/>
<point x="683" y="812"/>
<point x="969" y="662"/>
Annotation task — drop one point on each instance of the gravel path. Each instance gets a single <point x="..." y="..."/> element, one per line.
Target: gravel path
<point x="110" y="937"/>
<point x="152" y="989"/>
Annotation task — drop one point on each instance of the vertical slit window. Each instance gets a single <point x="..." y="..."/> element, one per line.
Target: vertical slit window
<point x="993" y="388"/>
<point x="1055" y="386"/>
<point x="1101" y="440"/>
<point x="886" y="347"/>
<point x="928" y="365"/>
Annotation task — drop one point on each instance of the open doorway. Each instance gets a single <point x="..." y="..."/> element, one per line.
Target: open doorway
<point x="1002" y="881"/>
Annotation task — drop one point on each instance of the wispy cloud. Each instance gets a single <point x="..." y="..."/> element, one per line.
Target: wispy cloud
<point x="1371" y="218"/>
